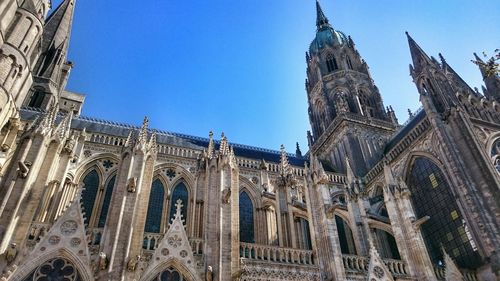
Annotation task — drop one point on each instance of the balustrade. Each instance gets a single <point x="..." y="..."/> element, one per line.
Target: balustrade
<point x="353" y="263"/>
<point x="276" y="254"/>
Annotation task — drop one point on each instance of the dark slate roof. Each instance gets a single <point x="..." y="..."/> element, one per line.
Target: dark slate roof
<point x="410" y="125"/>
<point x="169" y="138"/>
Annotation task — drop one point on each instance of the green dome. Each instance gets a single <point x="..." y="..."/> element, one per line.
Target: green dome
<point x="327" y="36"/>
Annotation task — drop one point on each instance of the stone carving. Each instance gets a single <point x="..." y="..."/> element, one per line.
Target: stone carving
<point x="132" y="263"/>
<point x="174" y="241"/>
<point x="103" y="261"/>
<point x="209" y="276"/>
<point x="378" y="271"/>
<point x="53" y="240"/>
<point x="165" y="251"/>
<point x="75" y="242"/>
<point x="226" y="195"/>
<point x="132" y="185"/>
<point x="69" y="227"/>
<point x="183" y="254"/>
<point x="11" y="253"/>
<point x="23" y="169"/>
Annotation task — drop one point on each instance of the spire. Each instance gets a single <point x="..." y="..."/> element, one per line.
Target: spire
<point x="490" y="77"/>
<point x="321" y="19"/>
<point x="451" y="270"/>
<point x="284" y="166"/>
<point x="224" y="146"/>
<point x="55" y="39"/>
<point x="298" y="152"/>
<point x="419" y="57"/>
<point x="211" y="146"/>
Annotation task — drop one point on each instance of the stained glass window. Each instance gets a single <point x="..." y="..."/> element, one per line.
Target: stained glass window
<point x="171" y="274"/>
<point x="345" y="237"/>
<point x="52" y="270"/>
<point x="431" y="196"/>
<point x="91" y="185"/>
<point x="246" y="219"/>
<point x="155" y="207"/>
<point x="305" y="240"/>
<point x="180" y="192"/>
<point x="106" y="202"/>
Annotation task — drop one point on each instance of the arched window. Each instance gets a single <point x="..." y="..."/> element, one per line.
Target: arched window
<point x="495" y="154"/>
<point x="386" y="245"/>
<point x="345" y="236"/>
<point x="331" y="63"/>
<point x="37" y="99"/>
<point x="303" y="233"/>
<point x="246" y="219"/>
<point x="55" y="269"/>
<point x="431" y="196"/>
<point x="349" y="63"/>
<point x="106" y="201"/>
<point x="89" y="194"/>
<point x="180" y="191"/>
<point x="155" y="207"/>
<point x="170" y="274"/>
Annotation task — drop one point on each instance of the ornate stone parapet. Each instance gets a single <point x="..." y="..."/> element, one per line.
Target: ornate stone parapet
<point x="357" y="267"/>
<point x="276" y="254"/>
<point x="261" y="270"/>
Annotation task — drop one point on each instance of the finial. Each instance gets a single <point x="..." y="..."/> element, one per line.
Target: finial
<point x="321" y="19"/>
<point x="298" y="152"/>
<point x="178" y="209"/>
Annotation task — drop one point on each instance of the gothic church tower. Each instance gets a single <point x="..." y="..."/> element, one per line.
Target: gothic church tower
<point x="344" y="103"/>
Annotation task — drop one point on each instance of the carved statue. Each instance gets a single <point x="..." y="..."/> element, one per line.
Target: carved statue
<point x="226" y="194"/>
<point x="23" y="169"/>
<point x="103" y="261"/>
<point x="11" y="253"/>
<point x="342" y="105"/>
<point x="132" y="184"/>
<point x="132" y="263"/>
<point x="210" y="274"/>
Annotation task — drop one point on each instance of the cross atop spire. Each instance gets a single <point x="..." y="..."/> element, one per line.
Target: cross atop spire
<point x="321" y="19"/>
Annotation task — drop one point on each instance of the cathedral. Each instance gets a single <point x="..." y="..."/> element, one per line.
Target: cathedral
<point x="85" y="199"/>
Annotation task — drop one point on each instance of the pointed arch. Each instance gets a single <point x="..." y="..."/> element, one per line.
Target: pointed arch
<point x="331" y="63"/>
<point x="106" y="200"/>
<point x="174" y="263"/>
<point x="155" y="207"/>
<point x="91" y="182"/>
<point x="432" y="196"/>
<point x="247" y="231"/>
<point x="82" y="267"/>
<point x="347" y="245"/>
<point x="179" y="191"/>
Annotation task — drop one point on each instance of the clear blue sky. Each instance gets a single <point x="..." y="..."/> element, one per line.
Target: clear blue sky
<point x="239" y="66"/>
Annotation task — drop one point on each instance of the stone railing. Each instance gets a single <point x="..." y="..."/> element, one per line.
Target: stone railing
<point x="276" y="254"/>
<point x="151" y="241"/>
<point x="196" y="245"/>
<point x="467" y="274"/>
<point x="359" y="264"/>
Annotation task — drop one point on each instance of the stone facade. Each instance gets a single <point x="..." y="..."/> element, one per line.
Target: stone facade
<point x="88" y="199"/>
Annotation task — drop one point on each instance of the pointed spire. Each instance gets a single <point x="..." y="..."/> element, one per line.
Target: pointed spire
<point x="56" y="35"/>
<point x="490" y="76"/>
<point x="152" y="146"/>
<point x="142" y="139"/>
<point x="349" y="172"/>
<point x="211" y="146"/>
<point x="47" y="122"/>
<point x="419" y="57"/>
<point x="224" y="146"/>
<point x="451" y="270"/>
<point x="130" y="139"/>
<point x="321" y="19"/>
<point x="284" y="166"/>
<point x="298" y="152"/>
<point x="64" y="128"/>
